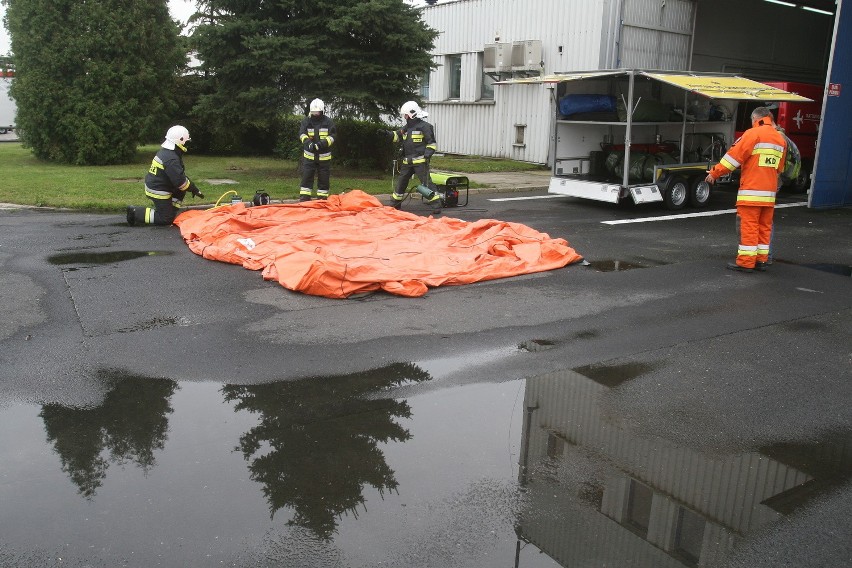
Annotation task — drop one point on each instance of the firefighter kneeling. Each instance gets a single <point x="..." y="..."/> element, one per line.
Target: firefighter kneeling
<point x="418" y="146"/>
<point x="166" y="183"/>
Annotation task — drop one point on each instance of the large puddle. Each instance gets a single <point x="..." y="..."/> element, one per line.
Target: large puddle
<point x="342" y="472"/>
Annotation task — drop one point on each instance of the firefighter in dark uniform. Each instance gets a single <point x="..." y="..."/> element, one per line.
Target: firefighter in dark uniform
<point x="418" y="145"/>
<point x="166" y="183"/>
<point x="316" y="132"/>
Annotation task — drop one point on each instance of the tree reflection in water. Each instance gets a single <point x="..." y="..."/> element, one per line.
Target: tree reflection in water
<point x="316" y="445"/>
<point x="127" y="427"/>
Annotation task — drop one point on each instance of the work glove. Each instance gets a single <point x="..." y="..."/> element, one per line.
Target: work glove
<point x="193" y="189"/>
<point x="308" y="144"/>
<point x="384" y="133"/>
<point x="315" y="147"/>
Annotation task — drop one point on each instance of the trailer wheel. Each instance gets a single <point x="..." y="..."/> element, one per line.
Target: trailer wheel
<point x="676" y="193"/>
<point x="699" y="192"/>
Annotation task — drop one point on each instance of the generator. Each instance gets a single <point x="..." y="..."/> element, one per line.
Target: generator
<point x="453" y="188"/>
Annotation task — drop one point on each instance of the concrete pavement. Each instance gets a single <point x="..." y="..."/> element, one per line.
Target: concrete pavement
<point x="511" y="181"/>
<point x="721" y="397"/>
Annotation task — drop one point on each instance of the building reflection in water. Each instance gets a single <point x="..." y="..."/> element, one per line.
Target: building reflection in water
<point x="128" y="426"/>
<point x="597" y="494"/>
<point x="316" y="445"/>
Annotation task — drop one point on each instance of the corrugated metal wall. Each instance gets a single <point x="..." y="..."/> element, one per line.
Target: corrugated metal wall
<point x="571" y="35"/>
<point x="656" y="34"/>
<point x="576" y="36"/>
<point x="763" y="41"/>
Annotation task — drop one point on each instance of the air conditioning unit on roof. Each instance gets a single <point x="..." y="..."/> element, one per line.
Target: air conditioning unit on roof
<point x="497" y="58"/>
<point x="526" y="55"/>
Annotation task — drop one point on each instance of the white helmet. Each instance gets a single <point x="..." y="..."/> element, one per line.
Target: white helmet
<point x="176" y="135"/>
<point x="411" y="110"/>
<point x="317" y="105"/>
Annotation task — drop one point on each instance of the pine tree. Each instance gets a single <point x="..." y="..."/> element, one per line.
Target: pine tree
<point x="92" y="77"/>
<point x="269" y="57"/>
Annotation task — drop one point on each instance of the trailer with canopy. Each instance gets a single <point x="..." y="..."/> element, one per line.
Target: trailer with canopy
<point x="650" y="136"/>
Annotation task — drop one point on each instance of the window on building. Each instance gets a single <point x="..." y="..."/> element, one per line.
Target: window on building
<point x="424" y="87"/>
<point x="486" y="87"/>
<point x="639" y="507"/>
<point x="555" y="446"/>
<point x="454" y="68"/>
<point x="689" y="536"/>
<point x="520" y="133"/>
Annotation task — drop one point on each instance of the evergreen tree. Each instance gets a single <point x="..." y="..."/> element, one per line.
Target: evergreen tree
<point x="266" y="58"/>
<point x="92" y="77"/>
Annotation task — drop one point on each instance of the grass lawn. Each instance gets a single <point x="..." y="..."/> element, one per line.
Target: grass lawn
<point x="29" y="181"/>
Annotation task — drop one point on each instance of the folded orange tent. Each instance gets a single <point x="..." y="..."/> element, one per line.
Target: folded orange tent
<point x="351" y="244"/>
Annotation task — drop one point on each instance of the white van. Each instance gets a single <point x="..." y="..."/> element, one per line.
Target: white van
<point x="7" y="105"/>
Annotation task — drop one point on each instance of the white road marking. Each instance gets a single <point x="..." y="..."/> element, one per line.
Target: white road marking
<point x="525" y="198"/>
<point x="688" y="215"/>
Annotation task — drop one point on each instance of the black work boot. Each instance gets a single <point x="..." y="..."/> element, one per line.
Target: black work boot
<point x="738" y="268"/>
<point x="135" y="215"/>
<point x="760" y="266"/>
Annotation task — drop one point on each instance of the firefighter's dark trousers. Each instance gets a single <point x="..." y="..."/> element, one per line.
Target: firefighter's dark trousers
<point x="322" y="170"/>
<point x="406" y="171"/>
<point x="163" y="212"/>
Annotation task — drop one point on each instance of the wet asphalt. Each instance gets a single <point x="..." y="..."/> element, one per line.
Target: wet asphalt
<point x="644" y="408"/>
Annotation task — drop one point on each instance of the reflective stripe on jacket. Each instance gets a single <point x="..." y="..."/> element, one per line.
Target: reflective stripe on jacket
<point x="418" y="141"/>
<point x="319" y="129"/>
<point x="166" y="177"/>
<point x="760" y="154"/>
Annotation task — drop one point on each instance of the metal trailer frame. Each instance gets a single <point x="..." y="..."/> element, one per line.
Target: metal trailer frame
<point x="675" y="184"/>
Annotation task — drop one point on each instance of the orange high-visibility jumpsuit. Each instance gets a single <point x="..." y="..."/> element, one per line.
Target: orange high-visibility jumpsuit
<point x="760" y="152"/>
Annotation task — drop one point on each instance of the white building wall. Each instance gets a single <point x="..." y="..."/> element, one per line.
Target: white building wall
<point x="575" y="35"/>
<point x="571" y="35"/>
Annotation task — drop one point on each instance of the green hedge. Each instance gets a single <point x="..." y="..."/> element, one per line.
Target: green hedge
<point x="356" y="146"/>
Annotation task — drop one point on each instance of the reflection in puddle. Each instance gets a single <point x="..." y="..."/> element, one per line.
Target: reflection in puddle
<point x="598" y="491"/>
<point x="616" y="265"/>
<point x="536" y="345"/>
<point x="614" y="375"/>
<point x="127" y="427"/>
<point x="337" y="471"/>
<point x="841" y="269"/>
<point x="90" y="258"/>
<point x="317" y="442"/>
<point x="322" y="472"/>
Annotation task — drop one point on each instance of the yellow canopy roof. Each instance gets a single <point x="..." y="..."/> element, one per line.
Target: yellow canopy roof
<point x="725" y="87"/>
<point x="709" y="85"/>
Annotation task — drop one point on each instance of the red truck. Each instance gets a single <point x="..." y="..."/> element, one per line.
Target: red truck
<point x="800" y="122"/>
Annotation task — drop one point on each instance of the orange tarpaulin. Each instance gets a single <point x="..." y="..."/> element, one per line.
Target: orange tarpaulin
<point x="351" y="244"/>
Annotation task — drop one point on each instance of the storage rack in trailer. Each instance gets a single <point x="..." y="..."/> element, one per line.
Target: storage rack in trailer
<point x="643" y="134"/>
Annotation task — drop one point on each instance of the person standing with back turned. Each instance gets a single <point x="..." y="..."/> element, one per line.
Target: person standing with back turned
<point x="760" y="152"/>
<point x="316" y="132"/>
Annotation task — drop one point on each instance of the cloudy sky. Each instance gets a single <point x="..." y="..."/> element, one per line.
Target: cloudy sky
<point x="181" y="10"/>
